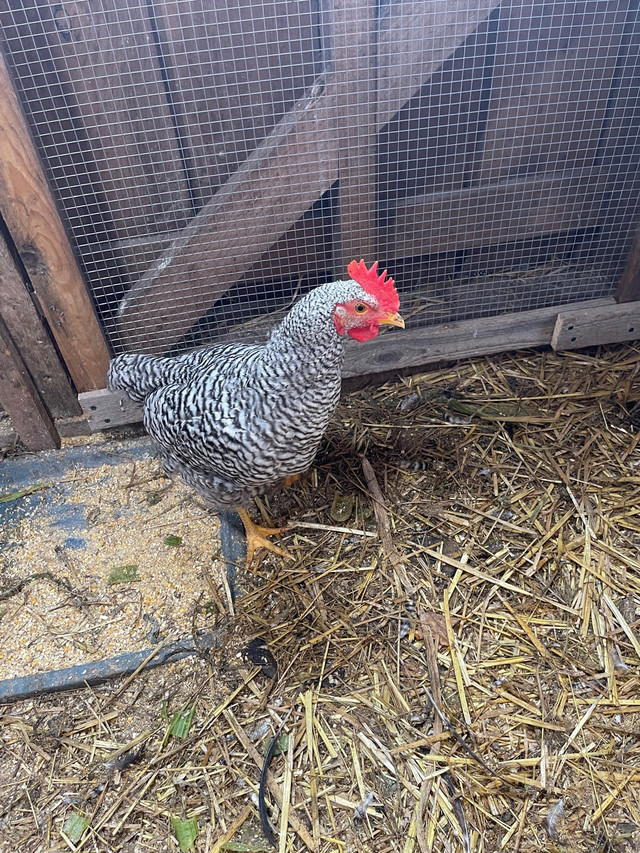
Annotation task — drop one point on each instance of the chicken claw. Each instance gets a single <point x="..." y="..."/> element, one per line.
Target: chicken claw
<point x="257" y="537"/>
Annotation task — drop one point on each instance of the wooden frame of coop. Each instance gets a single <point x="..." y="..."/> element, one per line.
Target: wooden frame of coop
<point x="53" y="347"/>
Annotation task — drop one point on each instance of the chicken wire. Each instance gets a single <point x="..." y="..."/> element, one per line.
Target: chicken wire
<point x="214" y="160"/>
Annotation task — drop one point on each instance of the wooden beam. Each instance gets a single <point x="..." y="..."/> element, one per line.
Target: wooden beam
<point x="20" y="399"/>
<point x="230" y="68"/>
<point x="354" y="41"/>
<point x="515" y="209"/>
<point x="264" y="196"/>
<point x="396" y="350"/>
<point x="106" y="409"/>
<point x="415" y="39"/>
<point x="294" y="166"/>
<point x="31" y="216"/>
<point x="588" y="327"/>
<point x="31" y="338"/>
<point x="467" y="339"/>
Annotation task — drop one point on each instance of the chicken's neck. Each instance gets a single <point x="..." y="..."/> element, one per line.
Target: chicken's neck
<point x="307" y="340"/>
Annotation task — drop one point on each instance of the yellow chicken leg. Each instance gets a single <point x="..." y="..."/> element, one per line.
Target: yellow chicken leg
<point x="257" y="537"/>
<point x="290" y="479"/>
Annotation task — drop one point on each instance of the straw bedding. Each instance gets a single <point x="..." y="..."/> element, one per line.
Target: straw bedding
<point x="449" y="661"/>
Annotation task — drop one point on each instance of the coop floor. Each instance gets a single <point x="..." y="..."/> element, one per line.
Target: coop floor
<point x="468" y="539"/>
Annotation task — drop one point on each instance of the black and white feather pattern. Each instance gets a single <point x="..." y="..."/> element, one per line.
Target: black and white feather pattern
<point x="233" y="420"/>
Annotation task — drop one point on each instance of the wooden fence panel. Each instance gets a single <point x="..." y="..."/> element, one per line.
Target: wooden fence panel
<point x="353" y="40"/>
<point x="295" y="164"/>
<point x="540" y="119"/>
<point x="30" y="214"/>
<point x="102" y="58"/>
<point x="20" y="398"/>
<point x="31" y="338"/>
<point x="500" y="212"/>
<point x="430" y="145"/>
<point x="110" y="71"/>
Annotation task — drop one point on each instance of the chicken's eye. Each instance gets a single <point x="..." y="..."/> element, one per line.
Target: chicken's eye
<point x="360" y="307"/>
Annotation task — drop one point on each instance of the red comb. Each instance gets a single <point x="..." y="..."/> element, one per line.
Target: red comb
<point x="377" y="285"/>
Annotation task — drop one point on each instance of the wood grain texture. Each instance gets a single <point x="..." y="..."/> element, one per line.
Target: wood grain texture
<point x="415" y="39"/>
<point x="515" y="209"/>
<point x="31" y="216"/>
<point x="105" y="58"/>
<point x="31" y="338"/>
<point x="467" y="339"/>
<point x="20" y="399"/>
<point x="591" y="326"/>
<point x="431" y="143"/>
<point x="106" y="409"/>
<point x="264" y="196"/>
<point x="620" y="212"/>
<point x="394" y="350"/>
<point x="540" y="119"/>
<point x="294" y="166"/>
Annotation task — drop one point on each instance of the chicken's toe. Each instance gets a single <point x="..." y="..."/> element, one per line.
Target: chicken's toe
<point x="257" y="537"/>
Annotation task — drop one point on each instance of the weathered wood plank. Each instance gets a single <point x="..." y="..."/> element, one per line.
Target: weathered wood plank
<point x="589" y="327"/>
<point x="354" y="44"/>
<point x="106" y="409"/>
<point x="620" y="212"/>
<point x="467" y="339"/>
<point x="105" y="58"/>
<point x="20" y="399"/>
<point x="264" y="196"/>
<point x="37" y="231"/>
<point x="32" y="339"/>
<point x="552" y="75"/>
<point x="481" y="216"/>
<point x="430" y="144"/>
<point x="393" y="351"/>
<point x="303" y="250"/>
<point x="294" y="165"/>
<point x="233" y="70"/>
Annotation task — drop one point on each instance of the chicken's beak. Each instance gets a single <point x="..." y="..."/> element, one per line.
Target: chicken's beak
<point x="391" y="320"/>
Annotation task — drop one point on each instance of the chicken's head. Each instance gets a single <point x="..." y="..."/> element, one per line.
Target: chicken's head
<point x="362" y="318"/>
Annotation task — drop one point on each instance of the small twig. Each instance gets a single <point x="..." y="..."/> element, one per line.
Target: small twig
<point x="383" y="521"/>
<point x="462" y="742"/>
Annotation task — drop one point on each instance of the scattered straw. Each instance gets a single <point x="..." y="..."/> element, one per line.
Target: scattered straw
<point x="462" y="677"/>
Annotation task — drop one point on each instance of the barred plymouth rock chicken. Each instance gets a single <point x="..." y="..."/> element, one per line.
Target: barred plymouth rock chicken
<point x="233" y="420"/>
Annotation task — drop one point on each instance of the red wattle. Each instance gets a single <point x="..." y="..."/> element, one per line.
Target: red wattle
<point x="363" y="333"/>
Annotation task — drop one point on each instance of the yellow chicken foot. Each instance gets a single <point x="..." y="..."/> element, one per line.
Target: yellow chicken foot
<point x="290" y="479"/>
<point x="257" y="537"/>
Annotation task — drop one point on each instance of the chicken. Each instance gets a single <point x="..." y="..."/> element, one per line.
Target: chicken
<point x="234" y="419"/>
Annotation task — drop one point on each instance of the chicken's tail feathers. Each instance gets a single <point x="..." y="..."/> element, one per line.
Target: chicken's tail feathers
<point x="139" y="375"/>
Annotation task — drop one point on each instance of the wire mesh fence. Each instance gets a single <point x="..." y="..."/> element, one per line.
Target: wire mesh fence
<point x="214" y="160"/>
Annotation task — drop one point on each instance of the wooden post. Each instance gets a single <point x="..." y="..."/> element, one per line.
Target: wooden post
<point x="355" y="48"/>
<point x="20" y="399"/>
<point x="31" y="216"/>
<point x="629" y="284"/>
<point x="32" y="340"/>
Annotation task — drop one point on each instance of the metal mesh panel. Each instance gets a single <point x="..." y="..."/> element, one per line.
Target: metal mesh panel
<point x="214" y="160"/>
